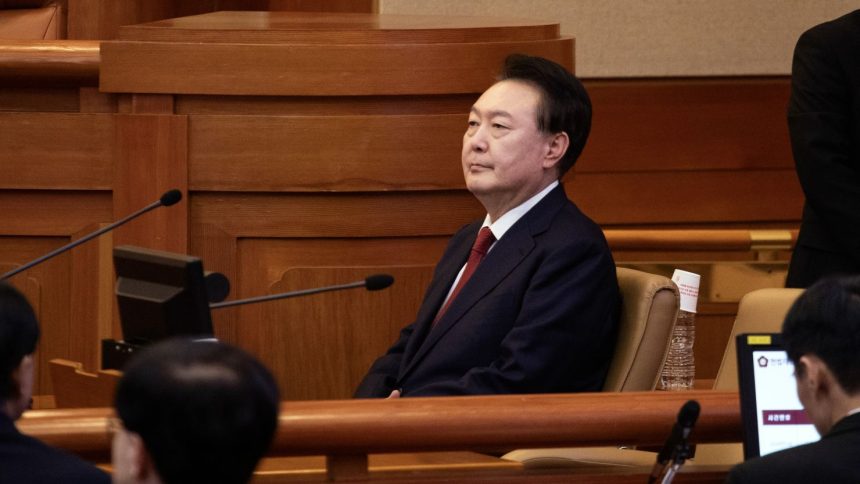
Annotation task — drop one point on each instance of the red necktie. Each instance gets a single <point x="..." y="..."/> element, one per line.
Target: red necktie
<point x="479" y="251"/>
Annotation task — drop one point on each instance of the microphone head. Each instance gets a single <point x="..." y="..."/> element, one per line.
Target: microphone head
<point x="217" y="286"/>
<point x="378" y="281"/>
<point x="170" y="197"/>
<point x="689" y="413"/>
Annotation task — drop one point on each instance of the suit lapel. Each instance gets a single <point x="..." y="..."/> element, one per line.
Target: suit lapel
<point x="449" y="267"/>
<point x="504" y="257"/>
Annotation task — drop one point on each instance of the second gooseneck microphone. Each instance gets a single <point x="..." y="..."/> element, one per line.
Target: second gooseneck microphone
<point x="372" y="283"/>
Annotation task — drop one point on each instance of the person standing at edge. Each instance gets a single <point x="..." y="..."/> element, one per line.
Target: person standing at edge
<point x="824" y="124"/>
<point x="526" y="300"/>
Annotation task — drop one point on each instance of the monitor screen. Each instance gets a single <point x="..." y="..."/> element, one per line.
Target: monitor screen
<point x="160" y="294"/>
<point x="772" y="415"/>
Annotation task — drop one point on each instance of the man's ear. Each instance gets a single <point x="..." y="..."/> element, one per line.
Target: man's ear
<point x="556" y="148"/>
<point x="137" y="458"/>
<point x="815" y="375"/>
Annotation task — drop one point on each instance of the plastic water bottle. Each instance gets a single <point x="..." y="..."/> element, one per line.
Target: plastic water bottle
<point x="679" y="371"/>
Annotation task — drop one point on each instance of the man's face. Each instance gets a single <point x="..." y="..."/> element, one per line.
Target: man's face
<point x="504" y="155"/>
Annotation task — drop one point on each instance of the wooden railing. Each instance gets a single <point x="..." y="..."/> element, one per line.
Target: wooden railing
<point x="49" y="61"/>
<point x="348" y="430"/>
<point x="692" y="239"/>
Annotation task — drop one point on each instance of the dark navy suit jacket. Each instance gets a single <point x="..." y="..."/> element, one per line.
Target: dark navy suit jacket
<point x="539" y="315"/>
<point x="824" y="122"/>
<point x="24" y="459"/>
<point x="835" y="459"/>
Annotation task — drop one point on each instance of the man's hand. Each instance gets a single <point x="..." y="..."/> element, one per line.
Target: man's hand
<point x="394" y="394"/>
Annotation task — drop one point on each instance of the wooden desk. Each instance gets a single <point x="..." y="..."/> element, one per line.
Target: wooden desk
<point x="313" y="468"/>
<point x="465" y="467"/>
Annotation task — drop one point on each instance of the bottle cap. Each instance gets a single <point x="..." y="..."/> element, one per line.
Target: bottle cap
<point x="688" y="286"/>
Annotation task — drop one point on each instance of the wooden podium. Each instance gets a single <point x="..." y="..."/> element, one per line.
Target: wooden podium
<point x="313" y="149"/>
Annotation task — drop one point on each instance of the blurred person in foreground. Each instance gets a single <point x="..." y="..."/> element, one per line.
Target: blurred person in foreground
<point x="821" y="335"/>
<point x="193" y="412"/>
<point x="24" y="459"/>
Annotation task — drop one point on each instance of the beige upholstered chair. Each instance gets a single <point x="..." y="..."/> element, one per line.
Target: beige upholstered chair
<point x="649" y="308"/>
<point x="760" y="311"/>
<point x="648" y="312"/>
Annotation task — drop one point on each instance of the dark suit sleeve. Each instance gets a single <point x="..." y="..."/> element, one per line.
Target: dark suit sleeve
<point x="820" y="124"/>
<point x="566" y="326"/>
<point x="735" y="476"/>
<point x="382" y="376"/>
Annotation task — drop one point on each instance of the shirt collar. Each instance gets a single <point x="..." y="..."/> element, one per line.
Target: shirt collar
<point x="506" y="221"/>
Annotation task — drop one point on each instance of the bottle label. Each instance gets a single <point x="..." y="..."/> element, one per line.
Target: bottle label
<point x="688" y="286"/>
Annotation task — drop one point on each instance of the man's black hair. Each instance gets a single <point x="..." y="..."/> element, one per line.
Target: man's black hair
<point x="19" y="333"/>
<point x="564" y="107"/>
<point x="206" y="411"/>
<point x="825" y="322"/>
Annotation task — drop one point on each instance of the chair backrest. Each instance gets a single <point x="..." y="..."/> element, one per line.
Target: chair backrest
<point x="75" y="388"/>
<point x="760" y="311"/>
<point x="649" y="308"/>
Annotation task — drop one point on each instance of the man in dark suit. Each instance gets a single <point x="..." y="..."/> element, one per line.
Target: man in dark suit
<point x="23" y="458"/>
<point x="193" y="412"/>
<point x="824" y="122"/>
<point x="821" y="335"/>
<point x="533" y="306"/>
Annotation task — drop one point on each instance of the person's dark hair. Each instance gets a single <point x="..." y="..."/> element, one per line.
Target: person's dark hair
<point x="19" y="333"/>
<point x="565" y="105"/>
<point x="825" y="322"/>
<point x="206" y="411"/>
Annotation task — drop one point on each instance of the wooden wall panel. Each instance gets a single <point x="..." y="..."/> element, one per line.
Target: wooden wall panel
<point x="355" y="6"/>
<point x="51" y="213"/>
<point x="101" y="19"/>
<point x="47" y="289"/>
<point x="457" y="104"/>
<point x="39" y="99"/>
<point x="688" y="197"/>
<point x="321" y="346"/>
<point x="340" y="29"/>
<point x="269" y="243"/>
<point x="688" y="125"/>
<point x="151" y="159"/>
<point x="34" y="223"/>
<point x="56" y="151"/>
<point x="335" y="215"/>
<point x="330" y="338"/>
<point x="92" y="297"/>
<point x="358" y="69"/>
<point x="350" y="153"/>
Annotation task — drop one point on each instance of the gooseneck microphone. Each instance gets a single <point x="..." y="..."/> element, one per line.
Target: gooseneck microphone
<point x="170" y="197"/>
<point x="676" y="449"/>
<point x="372" y="283"/>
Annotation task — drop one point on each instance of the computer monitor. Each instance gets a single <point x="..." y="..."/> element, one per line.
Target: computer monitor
<point x="160" y="294"/>
<point x="772" y="416"/>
